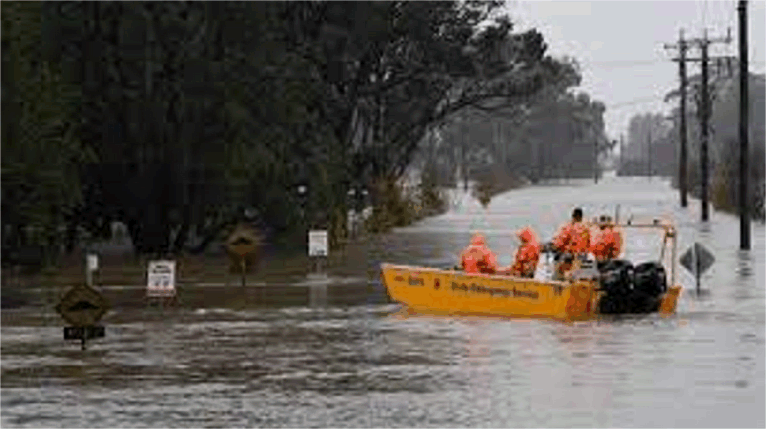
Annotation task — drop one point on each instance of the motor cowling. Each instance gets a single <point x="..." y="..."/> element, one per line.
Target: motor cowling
<point x="651" y="279"/>
<point x="617" y="277"/>
<point x="617" y="281"/>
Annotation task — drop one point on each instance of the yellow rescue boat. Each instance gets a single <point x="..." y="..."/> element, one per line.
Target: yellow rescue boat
<point x="583" y="295"/>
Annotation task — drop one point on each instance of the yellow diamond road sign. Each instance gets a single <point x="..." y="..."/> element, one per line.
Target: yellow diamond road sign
<point x="242" y="241"/>
<point x="82" y="306"/>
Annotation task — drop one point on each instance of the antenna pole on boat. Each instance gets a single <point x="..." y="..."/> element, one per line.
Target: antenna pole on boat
<point x="673" y="260"/>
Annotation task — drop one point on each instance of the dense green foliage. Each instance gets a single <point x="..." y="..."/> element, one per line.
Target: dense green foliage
<point x="173" y="117"/>
<point x="40" y="143"/>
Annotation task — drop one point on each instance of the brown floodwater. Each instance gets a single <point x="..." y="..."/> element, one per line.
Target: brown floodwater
<point x="316" y="352"/>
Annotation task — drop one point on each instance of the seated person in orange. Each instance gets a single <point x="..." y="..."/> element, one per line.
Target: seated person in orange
<point x="477" y="258"/>
<point x="606" y="243"/>
<point x="574" y="237"/>
<point x="527" y="255"/>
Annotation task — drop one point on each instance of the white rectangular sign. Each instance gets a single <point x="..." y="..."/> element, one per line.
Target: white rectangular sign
<point x="161" y="278"/>
<point x="318" y="243"/>
<point x="92" y="262"/>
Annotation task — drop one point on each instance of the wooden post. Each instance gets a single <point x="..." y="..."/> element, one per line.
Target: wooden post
<point x="244" y="272"/>
<point x="682" y="125"/>
<point x="744" y="95"/>
<point x="704" y="127"/>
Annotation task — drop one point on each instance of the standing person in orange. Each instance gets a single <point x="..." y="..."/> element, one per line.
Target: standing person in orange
<point x="527" y="255"/>
<point x="606" y="242"/>
<point x="574" y="237"/>
<point x="477" y="258"/>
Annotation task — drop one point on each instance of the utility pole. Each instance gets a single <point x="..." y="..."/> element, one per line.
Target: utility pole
<point x="744" y="95"/>
<point x="705" y="117"/>
<point x="682" y="126"/>
<point x="682" y="174"/>
<point x="703" y="108"/>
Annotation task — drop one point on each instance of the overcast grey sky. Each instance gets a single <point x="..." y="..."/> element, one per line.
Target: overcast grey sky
<point x="619" y="45"/>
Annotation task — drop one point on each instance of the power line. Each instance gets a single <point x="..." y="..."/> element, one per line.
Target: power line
<point x="642" y="100"/>
<point x="624" y="63"/>
<point x="637" y="101"/>
<point x="634" y="63"/>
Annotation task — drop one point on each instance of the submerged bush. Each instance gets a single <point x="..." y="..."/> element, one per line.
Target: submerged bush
<point x="396" y="207"/>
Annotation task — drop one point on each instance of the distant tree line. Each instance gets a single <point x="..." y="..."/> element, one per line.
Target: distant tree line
<point x="650" y="149"/>
<point x="174" y="117"/>
<point x="555" y="133"/>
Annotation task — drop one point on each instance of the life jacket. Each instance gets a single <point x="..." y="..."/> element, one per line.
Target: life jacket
<point x="573" y="237"/>
<point x="605" y="245"/>
<point x="477" y="258"/>
<point x="527" y="255"/>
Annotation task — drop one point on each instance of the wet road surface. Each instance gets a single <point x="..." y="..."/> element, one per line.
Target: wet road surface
<point x="346" y="357"/>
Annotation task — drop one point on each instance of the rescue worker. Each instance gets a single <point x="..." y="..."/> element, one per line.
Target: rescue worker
<point x="606" y="242"/>
<point x="572" y="241"/>
<point x="574" y="237"/>
<point x="527" y="255"/>
<point x="477" y="258"/>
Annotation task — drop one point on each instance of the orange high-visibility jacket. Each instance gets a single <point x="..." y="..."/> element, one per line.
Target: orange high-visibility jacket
<point x="527" y="255"/>
<point x="606" y="244"/>
<point x="477" y="258"/>
<point x="573" y="237"/>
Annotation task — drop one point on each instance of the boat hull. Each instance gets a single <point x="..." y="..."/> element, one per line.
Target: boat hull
<point x="453" y="292"/>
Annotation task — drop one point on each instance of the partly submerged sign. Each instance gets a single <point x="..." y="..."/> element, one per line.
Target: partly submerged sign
<point x="82" y="306"/>
<point x="243" y="240"/>
<point x="318" y="243"/>
<point x="161" y="279"/>
<point x="697" y="259"/>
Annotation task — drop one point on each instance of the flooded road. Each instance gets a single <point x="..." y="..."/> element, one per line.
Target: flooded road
<point x="220" y="360"/>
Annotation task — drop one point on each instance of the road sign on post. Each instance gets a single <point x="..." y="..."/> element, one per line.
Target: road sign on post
<point x="318" y="249"/>
<point x="83" y="307"/>
<point x="318" y="243"/>
<point x="697" y="259"/>
<point x="161" y="278"/>
<point x="91" y="265"/>
<point x="242" y="244"/>
<point x="93" y="262"/>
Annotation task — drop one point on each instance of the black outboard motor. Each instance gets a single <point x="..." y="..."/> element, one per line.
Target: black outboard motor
<point x="617" y="280"/>
<point x="650" y="282"/>
<point x="650" y="278"/>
